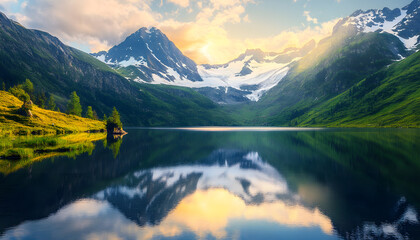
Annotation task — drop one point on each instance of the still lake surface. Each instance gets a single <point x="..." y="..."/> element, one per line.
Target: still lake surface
<point x="209" y="183"/>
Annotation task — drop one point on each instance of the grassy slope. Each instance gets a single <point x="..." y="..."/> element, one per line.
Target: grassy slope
<point x="43" y="120"/>
<point x="389" y="98"/>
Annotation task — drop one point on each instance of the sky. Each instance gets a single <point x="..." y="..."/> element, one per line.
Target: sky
<point x="207" y="31"/>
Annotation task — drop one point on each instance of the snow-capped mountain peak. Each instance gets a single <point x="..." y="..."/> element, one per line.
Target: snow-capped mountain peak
<point x="403" y="23"/>
<point x="149" y="56"/>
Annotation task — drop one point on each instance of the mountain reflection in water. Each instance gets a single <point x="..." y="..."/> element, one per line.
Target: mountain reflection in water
<point x="235" y="186"/>
<point x="202" y="199"/>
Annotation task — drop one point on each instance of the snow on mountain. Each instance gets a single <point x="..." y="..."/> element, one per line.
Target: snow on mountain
<point x="247" y="73"/>
<point x="259" y="77"/>
<point x="403" y="23"/>
<point x="254" y="72"/>
<point x="149" y="56"/>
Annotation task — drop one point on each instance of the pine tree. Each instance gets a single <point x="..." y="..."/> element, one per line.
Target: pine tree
<point x="89" y="112"/>
<point x="51" y="103"/>
<point x="28" y="86"/>
<point x="4" y="86"/>
<point x="105" y="117"/>
<point x="116" y="117"/>
<point x="74" y="106"/>
<point x="114" y="121"/>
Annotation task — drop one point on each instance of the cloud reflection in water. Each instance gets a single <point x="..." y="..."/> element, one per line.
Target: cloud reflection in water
<point x="201" y="200"/>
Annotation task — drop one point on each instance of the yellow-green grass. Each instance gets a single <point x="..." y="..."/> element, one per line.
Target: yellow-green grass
<point x="42" y="122"/>
<point x="17" y="152"/>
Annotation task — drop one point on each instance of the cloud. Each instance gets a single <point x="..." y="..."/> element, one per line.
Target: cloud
<point x="81" y="21"/>
<point x="211" y="44"/>
<point x="100" y="24"/>
<point x="309" y="18"/>
<point x="205" y="39"/>
<point x="295" y="38"/>
<point x="4" y="4"/>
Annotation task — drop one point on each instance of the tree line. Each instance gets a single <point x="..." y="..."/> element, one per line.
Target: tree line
<point x="25" y="92"/>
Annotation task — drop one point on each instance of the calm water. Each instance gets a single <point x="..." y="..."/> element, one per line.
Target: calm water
<point x="243" y="184"/>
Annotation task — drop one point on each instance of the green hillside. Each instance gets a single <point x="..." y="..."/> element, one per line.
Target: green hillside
<point x="389" y="98"/>
<point x="179" y="106"/>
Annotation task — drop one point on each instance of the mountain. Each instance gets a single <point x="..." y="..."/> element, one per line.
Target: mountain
<point x="403" y="23"/>
<point x="149" y="56"/>
<point x="57" y="70"/>
<point x="338" y="63"/>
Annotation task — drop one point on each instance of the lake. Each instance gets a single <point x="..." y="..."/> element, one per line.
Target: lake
<point x="225" y="183"/>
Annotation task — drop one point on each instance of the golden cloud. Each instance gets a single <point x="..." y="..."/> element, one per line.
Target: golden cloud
<point x="102" y="24"/>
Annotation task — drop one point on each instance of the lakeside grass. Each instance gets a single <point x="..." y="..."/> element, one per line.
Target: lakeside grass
<point x="43" y="122"/>
<point x="17" y="152"/>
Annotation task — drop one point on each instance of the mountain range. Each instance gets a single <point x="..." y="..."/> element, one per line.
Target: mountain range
<point x="57" y="69"/>
<point x="370" y="61"/>
<point x="148" y="56"/>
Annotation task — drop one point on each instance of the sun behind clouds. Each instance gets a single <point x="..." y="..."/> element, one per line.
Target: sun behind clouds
<point x="207" y="31"/>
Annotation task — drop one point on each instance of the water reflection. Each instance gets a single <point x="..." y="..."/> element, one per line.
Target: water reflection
<point x="201" y="199"/>
<point x="234" y="185"/>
